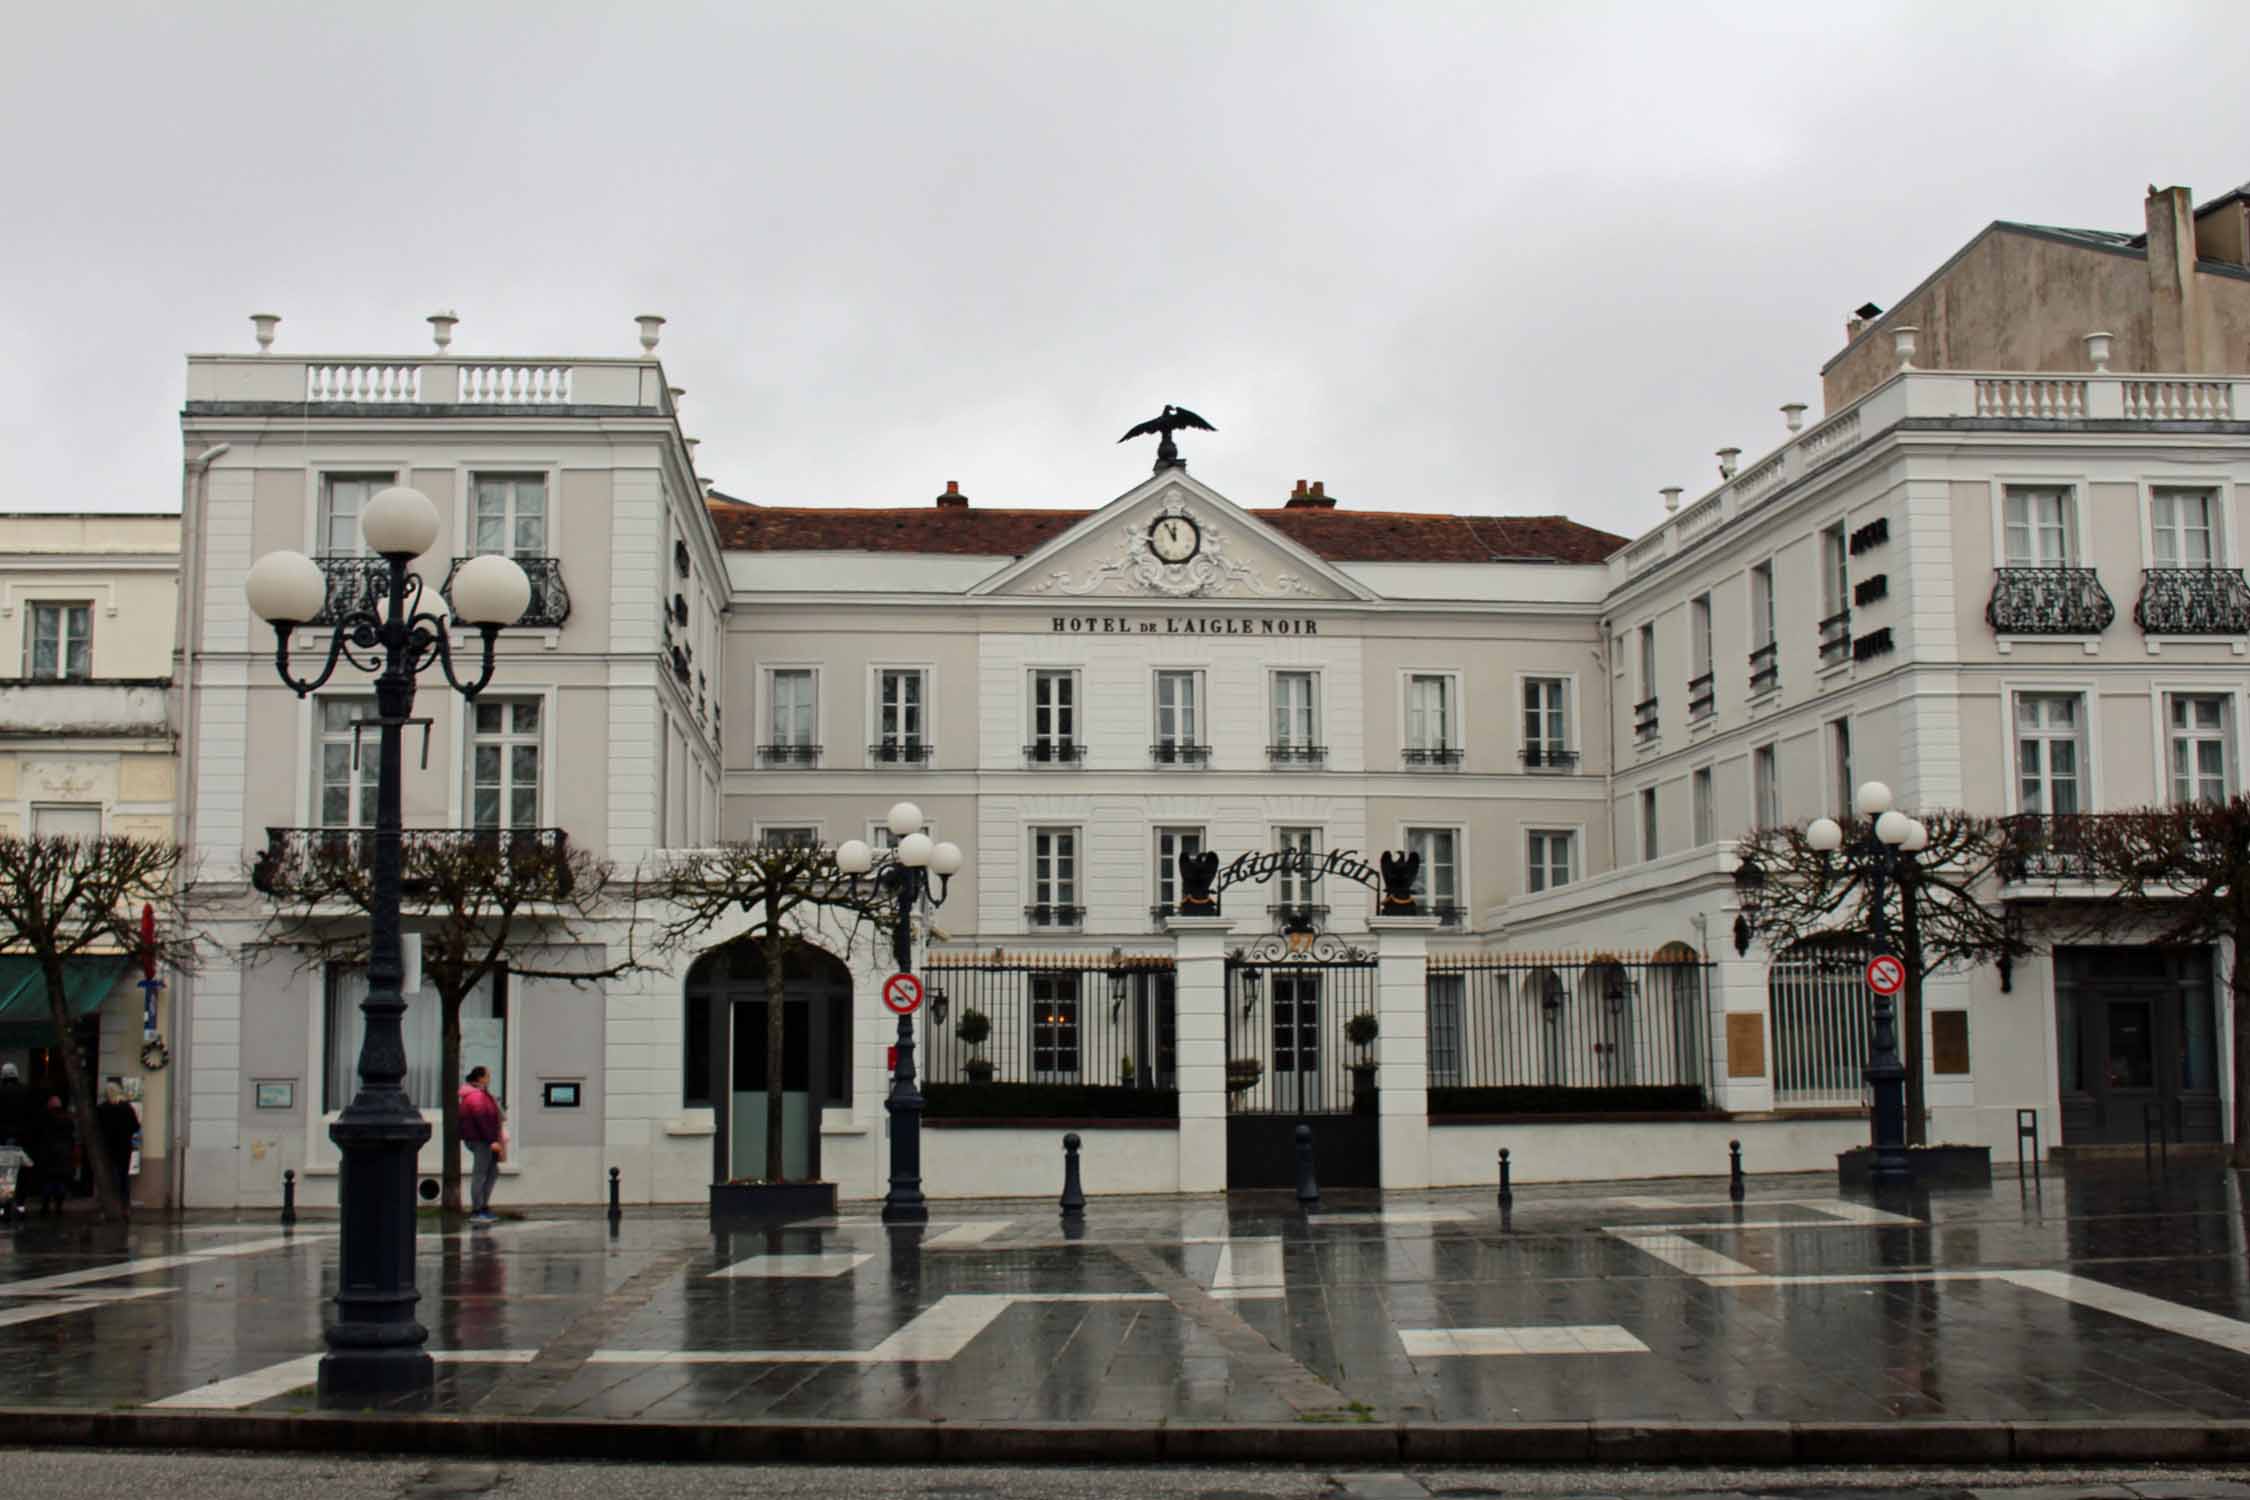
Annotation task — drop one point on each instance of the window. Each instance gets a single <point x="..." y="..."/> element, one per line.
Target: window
<point x="1054" y="877"/>
<point x="1835" y="571"/>
<point x="1765" y="661"/>
<point x="1296" y="715"/>
<point x="1054" y="1028"/>
<point x="901" y="731"/>
<point x="1179" y="720"/>
<point x="504" y="764"/>
<point x="1438" y="882"/>
<point x="1445" y="1029"/>
<point x="1703" y="698"/>
<point x="1054" y="714"/>
<point x="347" y="796"/>
<point x="1552" y="859"/>
<point x="797" y="836"/>
<point x="2183" y="526"/>
<point x="1650" y="842"/>
<point x="1840" y="766"/>
<point x="2039" y="525"/>
<point x="1429" y="717"/>
<point x="1765" y="785"/>
<point x="1546" y="722"/>
<point x="2048" y="756"/>
<point x="1296" y="886"/>
<point x="484" y="1035"/>
<point x="511" y="515"/>
<point x="1171" y="843"/>
<point x="2201" y="747"/>
<point x="1648" y="660"/>
<point x="793" y="702"/>
<point x="342" y="498"/>
<point x="67" y="820"/>
<point x="62" y="641"/>
<point x="1700" y="787"/>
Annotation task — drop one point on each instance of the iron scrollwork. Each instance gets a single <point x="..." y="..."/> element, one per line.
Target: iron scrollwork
<point x="1302" y="948"/>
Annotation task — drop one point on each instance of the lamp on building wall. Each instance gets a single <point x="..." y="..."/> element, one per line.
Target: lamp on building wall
<point x="902" y="875"/>
<point x="1750" y="895"/>
<point x="375" y="1344"/>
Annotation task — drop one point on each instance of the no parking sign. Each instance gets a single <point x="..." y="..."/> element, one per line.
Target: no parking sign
<point x="902" y="993"/>
<point x="1886" y="976"/>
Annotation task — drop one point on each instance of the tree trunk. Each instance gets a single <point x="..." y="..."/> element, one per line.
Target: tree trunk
<point x="777" y="987"/>
<point x="80" y="1089"/>
<point x="2239" y="987"/>
<point x="1910" y="1020"/>
<point x="449" y="1099"/>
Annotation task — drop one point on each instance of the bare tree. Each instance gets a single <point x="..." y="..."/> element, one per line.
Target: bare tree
<point x="485" y="902"/>
<point x="64" y="898"/>
<point x="2181" y="873"/>
<point x="1943" y="908"/>
<point x="786" y="889"/>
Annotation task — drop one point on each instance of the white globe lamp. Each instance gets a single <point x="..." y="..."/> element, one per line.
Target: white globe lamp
<point x="853" y="857"/>
<point x="945" y="860"/>
<point x="286" y="588"/>
<point x="1824" y="835"/>
<point x="914" y="850"/>
<point x="1874" y="799"/>
<point x="399" y="522"/>
<point x="491" y="590"/>
<point x="905" y="818"/>
<point x="1894" y="827"/>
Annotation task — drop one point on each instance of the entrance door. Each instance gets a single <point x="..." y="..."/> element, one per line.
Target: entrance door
<point x="2136" y="1031"/>
<point x="749" y="1089"/>
<point x="726" y="1054"/>
<point x="1296" y="1043"/>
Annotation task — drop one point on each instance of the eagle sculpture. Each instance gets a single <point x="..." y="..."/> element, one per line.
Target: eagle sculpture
<point x="1399" y="871"/>
<point x="1197" y="871"/>
<point x="1171" y="420"/>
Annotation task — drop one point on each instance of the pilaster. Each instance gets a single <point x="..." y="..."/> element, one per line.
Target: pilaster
<point x="1402" y="1047"/>
<point x="1199" y="1020"/>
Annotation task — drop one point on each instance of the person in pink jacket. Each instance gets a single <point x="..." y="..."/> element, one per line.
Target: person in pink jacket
<point x="483" y="1132"/>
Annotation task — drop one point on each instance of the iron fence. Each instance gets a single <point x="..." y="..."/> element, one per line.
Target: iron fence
<point x="1568" y="1021"/>
<point x="2048" y="601"/>
<point x="1822" y="1015"/>
<point x="1087" y="1019"/>
<point x="1292" y="999"/>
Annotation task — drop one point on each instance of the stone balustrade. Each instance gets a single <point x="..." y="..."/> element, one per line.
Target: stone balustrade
<point x="436" y="380"/>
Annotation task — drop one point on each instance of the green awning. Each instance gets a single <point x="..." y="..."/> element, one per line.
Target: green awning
<point x="25" y="1020"/>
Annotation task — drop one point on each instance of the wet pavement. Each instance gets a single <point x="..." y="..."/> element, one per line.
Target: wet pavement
<point x="2109" y="1293"/>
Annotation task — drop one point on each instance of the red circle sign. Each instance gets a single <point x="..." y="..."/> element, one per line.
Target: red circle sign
<point x="902" y="993"/>
<point x="1885" y="975"/>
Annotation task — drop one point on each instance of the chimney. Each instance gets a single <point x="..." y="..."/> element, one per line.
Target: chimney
<point x="953" y="499"/>
<point x="1314" y="498"/>
<point x="2172" y="289"/>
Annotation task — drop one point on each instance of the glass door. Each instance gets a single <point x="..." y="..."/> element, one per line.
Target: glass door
<point x="1296" y="1043"/>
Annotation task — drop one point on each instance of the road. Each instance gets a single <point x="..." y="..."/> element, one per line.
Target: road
<point x="102" y="1475"/>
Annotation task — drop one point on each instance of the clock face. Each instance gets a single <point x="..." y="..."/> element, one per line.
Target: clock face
<point x="1174" y="539"/>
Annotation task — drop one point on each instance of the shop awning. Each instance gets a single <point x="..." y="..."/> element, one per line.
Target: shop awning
<point x="25" y="1019"/>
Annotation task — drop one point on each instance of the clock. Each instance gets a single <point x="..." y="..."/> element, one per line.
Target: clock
<point x="1174" y="539"/>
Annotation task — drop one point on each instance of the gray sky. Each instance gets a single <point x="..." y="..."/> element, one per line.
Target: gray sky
<point x="1487" y="257"/>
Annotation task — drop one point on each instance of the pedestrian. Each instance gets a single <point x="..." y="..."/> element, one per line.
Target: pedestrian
<point x="18" y="1117"/>
<point x="119" y="1125"/>
<point x="484" y="1131"/>
<point x="55" y="1156"/>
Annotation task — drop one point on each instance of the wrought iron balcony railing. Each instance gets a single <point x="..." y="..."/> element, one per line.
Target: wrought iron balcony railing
<point x="1702" y="697"/>
<point x="1282" y="756"/>
<point x="1644" y="720"/>
<point x="1765" y="668"/>
<point x="1836" y="638"/>
<point x="1053" y="915"/>
<point x="900" y="753"/>
<point x="297" y="859"/>
<point x="1177" y="754"/>
<point x="1433" y="755"/>
<point x="2047" y="846"/>
<point x="788" y="756"/>
<point x="550" y="601"/>
<point x="1448" y="914"/>
<point x="355" y="582"/>
<point x="2193" y="601"/>
<point x="1544" y="755"/>
<point x="1054" y="753"/>
<point x="2048" y="601"/>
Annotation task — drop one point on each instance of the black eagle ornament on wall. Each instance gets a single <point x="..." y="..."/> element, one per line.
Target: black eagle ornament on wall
<point x="1171" y="420"/>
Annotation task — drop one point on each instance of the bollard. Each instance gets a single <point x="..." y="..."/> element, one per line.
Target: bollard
<point x="615" y="1212"/>
<point x="1073" y="1195"/>
<point x="2152" y="1131"/>
<point x="2027" y="1125"/>
<point x="288" y="1198"/>
<point x="1507" y="1192"/>
<point x="1734" y="1171"/>
<point x="1308" y="1186"/>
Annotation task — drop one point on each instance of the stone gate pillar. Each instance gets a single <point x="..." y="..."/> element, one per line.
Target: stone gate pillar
<point x="1402" y="1047"/>
<point x="1199" y="1047"/>
<point x="1741" y="1018"/>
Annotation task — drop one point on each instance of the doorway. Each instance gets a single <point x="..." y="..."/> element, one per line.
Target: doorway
<point x="2137" y="1039"/>
<point x="729" y="1050"/>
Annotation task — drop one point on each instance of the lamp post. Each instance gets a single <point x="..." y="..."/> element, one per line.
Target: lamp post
<point x="1881" y="854"/>
<point x="375" y="1343"/>
<point x="903" y="877"/>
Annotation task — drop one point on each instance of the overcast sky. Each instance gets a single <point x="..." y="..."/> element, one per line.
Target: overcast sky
<point x="1512" y="259"/>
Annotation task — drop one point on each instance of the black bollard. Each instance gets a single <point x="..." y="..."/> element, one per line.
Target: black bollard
<point x="1734" y="1179"/>
<point x="1507" y="1191"/>
<point x="615" y="1212"/>
<point x="1073" y="1195"/>
<point x="1308" y="1186"/>
<point x="288" y="1198"/>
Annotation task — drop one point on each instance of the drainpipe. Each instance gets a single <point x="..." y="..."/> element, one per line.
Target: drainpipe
<point x="195" y="494"/>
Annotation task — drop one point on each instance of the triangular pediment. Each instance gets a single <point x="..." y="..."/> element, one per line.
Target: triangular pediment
<point x="1119" y="552"/>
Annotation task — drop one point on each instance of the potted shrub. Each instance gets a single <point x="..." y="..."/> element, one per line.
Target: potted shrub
<point x="1361" y="1031"/>
<point x="1125" y="1071"/>
<point x="1243" y="1073"/>
<point x="973" y="1029"/>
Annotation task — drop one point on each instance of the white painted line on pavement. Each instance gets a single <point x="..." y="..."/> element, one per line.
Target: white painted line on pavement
<point x="1587" y="1338"/>
<point x="935" y="1335"/>
<point x="155" y="1263"/>
<point x="2156" y="1312"/>
<point x="238" y="1391"/>
<point x="1685" y="1255"/>
<point x="966" y="1234"/>
<point x="1248" y="1268"/>
<point x="1698" y="1226"/>
<point x="819" y="1264"/>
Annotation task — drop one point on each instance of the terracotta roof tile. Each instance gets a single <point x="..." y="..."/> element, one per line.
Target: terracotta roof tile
<point x="1337" y="535"/>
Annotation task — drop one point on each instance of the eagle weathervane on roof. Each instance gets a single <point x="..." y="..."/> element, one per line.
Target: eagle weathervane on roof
<point x="1173" y="419"/>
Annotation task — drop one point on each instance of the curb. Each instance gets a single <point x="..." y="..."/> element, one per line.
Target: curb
<point x="1581" y="1443"/>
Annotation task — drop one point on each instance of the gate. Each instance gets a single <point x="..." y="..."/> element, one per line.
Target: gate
<point x="1291" y="1001"/>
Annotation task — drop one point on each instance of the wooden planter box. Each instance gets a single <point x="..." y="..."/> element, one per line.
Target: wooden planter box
<point x="739" y="1205"/>
<point x="1932" y="1166"/>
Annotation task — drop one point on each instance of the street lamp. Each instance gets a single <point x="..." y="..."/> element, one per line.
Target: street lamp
<point x="375" y="1344"/>
<point x="903" y="876"/>
<point x="1880" y="855"/>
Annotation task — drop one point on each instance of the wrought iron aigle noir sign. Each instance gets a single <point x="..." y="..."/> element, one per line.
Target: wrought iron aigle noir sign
<point x="1201" y="878"/>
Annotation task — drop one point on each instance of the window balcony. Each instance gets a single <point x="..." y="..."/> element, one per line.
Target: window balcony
<point x="1548" y="755"/>
<point x="1702" y="697"/>
<point x="1449" y="914"/>
<point x="1836" y="638"/>
<point x="1054" y="753"/>
<point x="335" y="859"/>
<point x="2048" y="601"/>
<point x="2193" y="601"/>
<point x="1176" y="753"/>
<point x="788" y="757"/>
<point x="1442" y="756"/>
<point x="1644" y="720"/>
<point x="1053" y="916"/>
<point x="550" y="601"/>
<point x="1286" y="757"/>
<point x="899" y="753"/>
<point x="355" y="582"/>
<point x="2047" y="846"/>
<point x="1765" y="668"/>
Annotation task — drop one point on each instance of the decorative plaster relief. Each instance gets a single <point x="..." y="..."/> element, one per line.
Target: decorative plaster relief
<point x="69" y="780"/>
<point x="1137" y="570"/>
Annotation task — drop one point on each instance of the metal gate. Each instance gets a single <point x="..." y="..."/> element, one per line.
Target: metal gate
<point x="1292" y="999"/>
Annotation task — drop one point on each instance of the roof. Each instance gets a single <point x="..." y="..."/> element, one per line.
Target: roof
<point x="2105" y="239"/>
<point x="1335" y="535"/>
